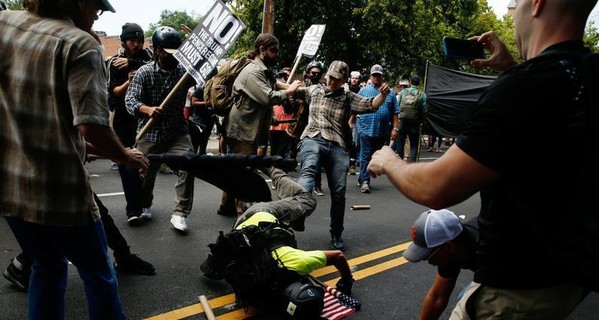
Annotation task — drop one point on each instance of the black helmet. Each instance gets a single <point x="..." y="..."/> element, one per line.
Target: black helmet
<point x="314" y="64"/>
<point x="303" y="300"/>
<point x="166" y="38"/>
<point x="132" y="30"/>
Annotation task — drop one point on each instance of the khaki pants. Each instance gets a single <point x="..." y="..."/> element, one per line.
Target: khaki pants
<point x="482" y="302"/>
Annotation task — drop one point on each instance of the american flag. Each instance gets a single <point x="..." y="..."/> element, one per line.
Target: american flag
<point x="338" y="305"/>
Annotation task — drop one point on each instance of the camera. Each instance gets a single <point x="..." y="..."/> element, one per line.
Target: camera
<point x="462" y="49"/>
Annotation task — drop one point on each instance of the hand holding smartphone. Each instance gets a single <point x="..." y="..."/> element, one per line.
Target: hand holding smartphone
<point x="462" y="49"/>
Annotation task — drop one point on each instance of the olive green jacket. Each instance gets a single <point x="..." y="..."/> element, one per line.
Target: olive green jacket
<point x="255" y="94"/>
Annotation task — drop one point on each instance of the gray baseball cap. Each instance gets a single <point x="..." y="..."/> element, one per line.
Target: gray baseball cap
<point x="432" y="229"/>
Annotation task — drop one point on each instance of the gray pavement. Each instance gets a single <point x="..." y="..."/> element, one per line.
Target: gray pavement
<point x="387" y="286"/>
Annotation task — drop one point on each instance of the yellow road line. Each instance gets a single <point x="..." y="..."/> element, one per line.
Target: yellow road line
<point x="221" y="301"/>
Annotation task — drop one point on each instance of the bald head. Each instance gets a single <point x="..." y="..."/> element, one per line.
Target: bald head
<point x="539" y="24"/>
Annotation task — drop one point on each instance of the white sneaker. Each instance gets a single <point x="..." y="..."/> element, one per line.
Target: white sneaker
<point x="179" y="222"/>
<point x="146" y="214"/>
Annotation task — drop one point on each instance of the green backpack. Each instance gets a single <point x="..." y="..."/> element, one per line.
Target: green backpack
<point x="409" y="107"/>
<point x="218" y="91"/>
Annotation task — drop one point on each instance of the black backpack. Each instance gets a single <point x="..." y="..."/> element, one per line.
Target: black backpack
<point x="243" y="259"/>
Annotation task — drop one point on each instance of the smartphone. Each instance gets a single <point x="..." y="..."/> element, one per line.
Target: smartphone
<point x="462" y="49"/>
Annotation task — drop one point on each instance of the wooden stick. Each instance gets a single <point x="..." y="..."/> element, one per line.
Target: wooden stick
<point x="207" y="309"/>
<point x="150" y="122"/>
<point x="360" y="207"/>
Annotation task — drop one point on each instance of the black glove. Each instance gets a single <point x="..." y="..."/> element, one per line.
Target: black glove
<point x="344" y="285"/>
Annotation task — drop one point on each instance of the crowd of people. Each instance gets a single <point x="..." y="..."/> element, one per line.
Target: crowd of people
<point x="334" y="126"/>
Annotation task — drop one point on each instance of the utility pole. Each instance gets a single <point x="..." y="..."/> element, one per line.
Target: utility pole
<point x="268" y="13"/>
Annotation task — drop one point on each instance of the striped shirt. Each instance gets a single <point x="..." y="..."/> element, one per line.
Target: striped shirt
<point x="377" y="124"/>
<point x="53" y="79"/>
<point x="328" y="111"/>
<point x="149" y="87"/>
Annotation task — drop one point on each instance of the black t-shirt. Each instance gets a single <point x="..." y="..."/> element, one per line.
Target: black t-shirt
<point x="470" y="230"/>
<point x="119" y="76"/>
<point x="204" y="113"/>
<point x="527" y="128"/>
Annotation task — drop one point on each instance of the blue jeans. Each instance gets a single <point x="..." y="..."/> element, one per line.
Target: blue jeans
<point x="85" y="247"/>
<point x="316" y="152"/>
<point x="368" y="145"/>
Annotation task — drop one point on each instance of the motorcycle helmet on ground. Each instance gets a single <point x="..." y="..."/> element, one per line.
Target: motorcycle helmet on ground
<point x="303" y="300"/>
<point x="166" y="38"/>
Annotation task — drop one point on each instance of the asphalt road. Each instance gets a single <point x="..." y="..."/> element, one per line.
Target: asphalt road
<point x="387" y="285"/>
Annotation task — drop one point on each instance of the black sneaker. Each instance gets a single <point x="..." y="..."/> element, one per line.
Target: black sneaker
<point x="134" y="264"/>
<point x="134" y="221"/>
<point x="338" y="243"/>
<point x="298" y="224"/>
<point x="18" y="277"/>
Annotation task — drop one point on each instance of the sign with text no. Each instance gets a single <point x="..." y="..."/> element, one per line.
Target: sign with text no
<point x="209" y="41"/>
<point x="311" y="40"/>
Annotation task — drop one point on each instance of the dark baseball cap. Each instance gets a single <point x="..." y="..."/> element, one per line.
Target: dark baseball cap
<point x="415" y="80"/>
<point x="106" y="6"/>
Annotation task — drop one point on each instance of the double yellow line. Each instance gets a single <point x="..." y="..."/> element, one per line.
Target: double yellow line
<point x="229" y="300"/>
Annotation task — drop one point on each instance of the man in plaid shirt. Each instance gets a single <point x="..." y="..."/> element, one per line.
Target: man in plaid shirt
<point x="323" y="142"/>
<point x="149" y="87"/>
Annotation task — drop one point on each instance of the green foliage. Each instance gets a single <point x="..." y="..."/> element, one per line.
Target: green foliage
<point x="591" y="37"/>
<point x="173" y="19"/>
<point x="14" y="4"/>
<point x="400" y="35"/>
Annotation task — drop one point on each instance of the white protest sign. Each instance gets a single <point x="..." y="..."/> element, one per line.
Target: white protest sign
<point x="311" y="40"/>
<point x="202" y="50"/>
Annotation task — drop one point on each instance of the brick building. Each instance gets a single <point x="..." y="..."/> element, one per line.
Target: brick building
<point x="113" y="43"/>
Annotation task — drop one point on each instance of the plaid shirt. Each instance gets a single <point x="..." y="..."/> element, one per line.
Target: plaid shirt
<point x="149" y="87"/>
<point x="53" y="79"/>
<point x="328" y="111"/>
<point x="377" y="124"/>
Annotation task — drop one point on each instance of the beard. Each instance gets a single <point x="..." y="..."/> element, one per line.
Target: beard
<point x="269" y="62"/>
<point x="169" y="63"/>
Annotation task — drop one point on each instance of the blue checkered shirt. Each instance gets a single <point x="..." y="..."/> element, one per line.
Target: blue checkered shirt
<point x="377" y="124"/>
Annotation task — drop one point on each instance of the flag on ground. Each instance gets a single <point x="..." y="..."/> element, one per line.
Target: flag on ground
<point x="338" y="305"/>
